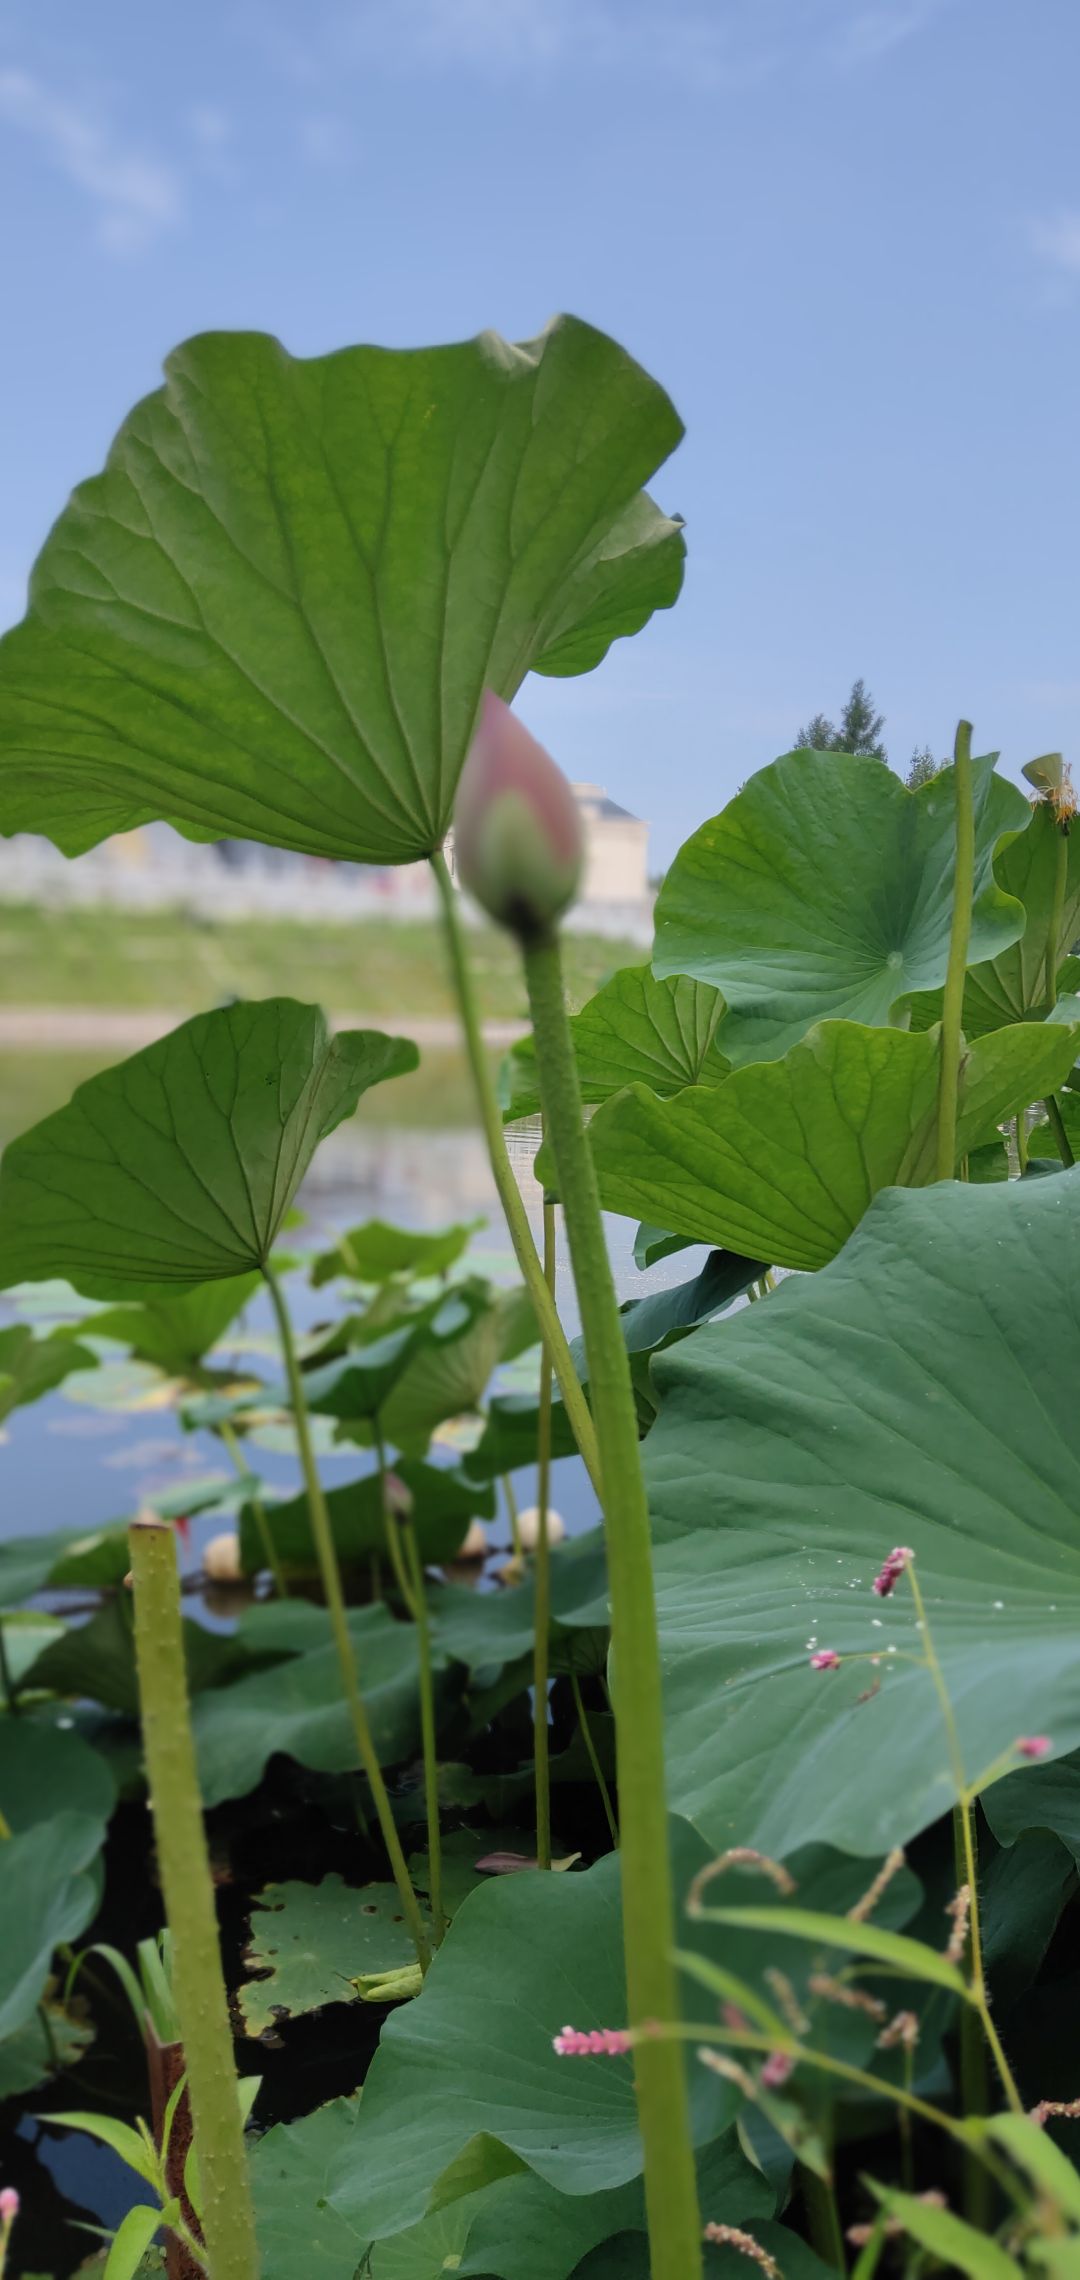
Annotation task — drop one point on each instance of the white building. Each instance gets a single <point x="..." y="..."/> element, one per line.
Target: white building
<point x="155" y="868"/>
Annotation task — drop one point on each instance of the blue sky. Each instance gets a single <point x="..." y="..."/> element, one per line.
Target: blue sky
<point x="844" y="233"/>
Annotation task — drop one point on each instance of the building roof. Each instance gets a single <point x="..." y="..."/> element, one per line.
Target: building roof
<point x="595" y="799"/>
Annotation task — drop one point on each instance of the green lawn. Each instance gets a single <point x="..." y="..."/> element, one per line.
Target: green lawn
<point x="170" y="960"/>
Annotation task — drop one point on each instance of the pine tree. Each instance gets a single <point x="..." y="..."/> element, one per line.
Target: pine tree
<point x="859" y="731"/>
<point x="921" y="767"/>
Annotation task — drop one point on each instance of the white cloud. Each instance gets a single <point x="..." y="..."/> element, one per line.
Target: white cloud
<point x="134" y="196"/>
<point x="1056" y="240"/>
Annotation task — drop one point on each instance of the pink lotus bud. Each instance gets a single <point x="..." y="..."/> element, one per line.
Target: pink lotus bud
<point x="399" y="1497"/>
<point x="518" y="842"/>
<point x="9" y="2206"/>
<point x="1033" y="1746"/>
<point x="825" y="1659"/>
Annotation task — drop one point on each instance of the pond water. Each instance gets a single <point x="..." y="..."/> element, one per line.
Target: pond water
<point x="69" y="1460"/>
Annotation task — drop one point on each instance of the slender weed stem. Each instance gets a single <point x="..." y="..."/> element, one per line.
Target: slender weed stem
<point x="551" y="1329"/>
<point x="822" y="2217"/>
<point x="1057" y="914"/>
<point x="1057" y="1127"/>
<point x="330" y="1572"/>
<point x="647" y="1898"/>
<point x="598" y="1770"/>
<point x="235" y="1453"/>
<point x="966" y="1847"/>
<point x="427" y="1727"/>
<point x="953" y="1002"/>
<point x="542" y="1571"/>
<point x="198" y="1985"/>
<point x="513" y="1518"/>
<point x="7" y="1683"/>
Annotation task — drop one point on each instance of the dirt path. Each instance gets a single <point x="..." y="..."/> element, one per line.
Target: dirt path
<point x="59" y="1028"/>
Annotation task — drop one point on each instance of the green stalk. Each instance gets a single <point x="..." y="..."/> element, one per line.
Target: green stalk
<point x="974" y="2079"/>
<point x="1057" y="913"/>
<point x="258" y="1508"/>
<point x="822" y="2218"/>
<point x="409" y="1574"/>
<point x="594" y="1761"/>
<point x="427" y="1727"/>
<point x="198" y="1986"/>
<point x="7" y="1684"/>
<point x="952" y="1009"/>
<point x="335" y="1605"/>
<point x="543" y="1571"/>
<point x="512" y="1516"/>
<point x="647" y="1898"/>
<point x="966" y="1853"/>
<point x="1021" y="1140"/>
<point x="517" y="1218"/>
<point x="1057" y="1127"/>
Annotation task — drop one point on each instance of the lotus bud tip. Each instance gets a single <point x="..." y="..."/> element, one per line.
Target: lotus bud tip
<point x="518" y="840"/>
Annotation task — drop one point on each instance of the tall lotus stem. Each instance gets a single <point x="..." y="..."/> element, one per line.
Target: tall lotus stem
<point x="330" y="1572"/>
<point x="952" y="1010"/>
<point x="543" y="1571"/>
<point x="198" y="1985"/>
<point x="517" y="830"/>
<point x="516" y="1216"/>
<point x="397" y="1510"/>
<point x="258" y="1509"/>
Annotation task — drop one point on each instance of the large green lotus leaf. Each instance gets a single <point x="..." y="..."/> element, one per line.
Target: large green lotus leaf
<point x="826" y="888"/>
<point x="443" y="1505"/>
<point x="176" y="1332"/>
<point x="524" y="1955"/>
<point x="447" y="1373"/>
<point x="50" y="2042"/>
<point x="31" y="1367"/>
<point x="480" y="1628"/>
<point x="178" y="1165"/>
<point x="636" y="1030"/>
<point x="95" y="1661"/>
<point x="514" y="2228"/>
<point x="56" y="1795"/>
<point x="297" y="1707"/>
<point x="1012" y="986"/>
<point x="508" y="1440"/>
<point x="1041" y="1797"/>
<point x="921" y="1390"/>
<point x="274" y="613"/>
<point x="376" y="1252"/>
<point x="782" y="1161"/>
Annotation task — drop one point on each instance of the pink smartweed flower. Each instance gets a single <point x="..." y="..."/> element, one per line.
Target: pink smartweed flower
<point x="594" y="2042"/>
<point x="1033" y="1746"/>
<point x="892" y="1570"/>
<point x="825" y="1659"/>
<point x="518" y="839"/>
<point x="776" y="2069"/>
<point x="9" y="2206"/>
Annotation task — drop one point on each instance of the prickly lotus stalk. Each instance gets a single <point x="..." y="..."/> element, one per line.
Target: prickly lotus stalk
<point x="518" y="843"/>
